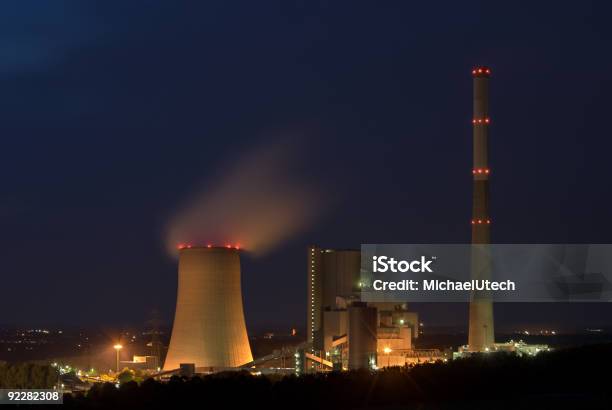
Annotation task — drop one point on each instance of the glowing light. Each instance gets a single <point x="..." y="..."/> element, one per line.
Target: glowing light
<point x="387" y="350"/>
<point x="117" y="347"/>
<point x="480" y="171"/>
<point x="480" y="221"/>
<point x="481" y="70"/>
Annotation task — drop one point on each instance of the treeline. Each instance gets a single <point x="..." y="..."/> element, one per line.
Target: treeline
<point x="565" y="378"/>
<point x="27" y="376"/>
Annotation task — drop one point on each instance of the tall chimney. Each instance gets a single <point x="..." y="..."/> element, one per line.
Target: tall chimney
<point x="481" y="331"/>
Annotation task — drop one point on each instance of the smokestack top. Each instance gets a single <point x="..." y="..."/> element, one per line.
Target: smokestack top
<point x="481" y="71"/>
<point x="227" y="247"/>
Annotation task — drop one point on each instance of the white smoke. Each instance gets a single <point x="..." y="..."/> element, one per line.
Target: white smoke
<point x="258" y="203"/>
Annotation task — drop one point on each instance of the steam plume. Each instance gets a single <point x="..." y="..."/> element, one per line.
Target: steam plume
<point x="258" y="203"/>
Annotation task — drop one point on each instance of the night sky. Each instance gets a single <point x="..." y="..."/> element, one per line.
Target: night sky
<point x="111" y="115"/>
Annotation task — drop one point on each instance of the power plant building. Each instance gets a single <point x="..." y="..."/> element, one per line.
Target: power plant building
<point x="333" y="277"/>
<point x="209" y="329"/>
<point x="343" y="331"/>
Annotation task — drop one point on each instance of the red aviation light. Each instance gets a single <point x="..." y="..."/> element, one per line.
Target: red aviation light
<point x="208" y="246"/>
<point x="481" y="72"/>
<point x="486" y="120"/>
<point x="480" y="221"/>
<point x="485" y="171"/>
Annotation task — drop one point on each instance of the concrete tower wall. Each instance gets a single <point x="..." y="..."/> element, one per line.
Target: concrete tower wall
<point x="481" y="330"/>
<point x="362" y="335"/>
<point x="341" y="269"/>
<point x="209" y="328"/>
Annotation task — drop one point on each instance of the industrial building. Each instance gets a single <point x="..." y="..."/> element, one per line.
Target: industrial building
<point x="150" y="363"/>
<point x="345" y="333"/>
<point x="209" y="329"/>
<point x="519" y="348"/>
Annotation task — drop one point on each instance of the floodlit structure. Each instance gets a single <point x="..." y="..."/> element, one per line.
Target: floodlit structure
<point x="209" y="329"/>
<point x="331" y="274"/>
<point x="362" y="336"/>
<point x="345" y="333"/>
<point x="481" y="332"/>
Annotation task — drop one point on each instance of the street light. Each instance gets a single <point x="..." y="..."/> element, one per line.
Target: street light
<point x="117" y="348"/>
<point x="387" y="350"/>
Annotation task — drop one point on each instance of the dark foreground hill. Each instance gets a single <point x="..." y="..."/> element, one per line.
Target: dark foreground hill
<point x="574" y="378"/>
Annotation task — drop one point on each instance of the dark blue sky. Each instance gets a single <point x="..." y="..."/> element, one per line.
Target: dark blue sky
<point x="112" y="114"/>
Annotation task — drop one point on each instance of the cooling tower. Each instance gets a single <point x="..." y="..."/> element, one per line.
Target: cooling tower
<point x="209" y="328"/>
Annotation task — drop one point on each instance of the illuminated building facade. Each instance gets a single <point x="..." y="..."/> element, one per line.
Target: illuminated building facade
<point x="342" y="331"/>
<point x="331" y="274"/>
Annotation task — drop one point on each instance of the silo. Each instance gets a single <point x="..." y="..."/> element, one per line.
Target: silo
<point x="362" y="336"/>
<point x="209" y="329"/>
